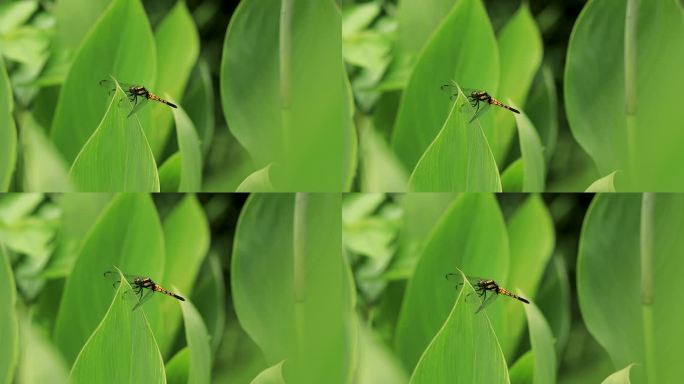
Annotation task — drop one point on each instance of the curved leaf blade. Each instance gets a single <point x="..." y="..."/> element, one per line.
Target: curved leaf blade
<point x="543" y="350"/>
<point x="197" y="337"/>
<point x="532" y="154"/>
<point x="9" y="327"/>
<point x="8" y="132"/>
<point x="190" y="150"/>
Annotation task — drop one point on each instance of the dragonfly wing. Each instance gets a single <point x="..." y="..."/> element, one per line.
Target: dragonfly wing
<point x="146" y="296"/>
<point x="138" y="102"/>
<point x="480" y="109"/>
<point x="488" y="298"/>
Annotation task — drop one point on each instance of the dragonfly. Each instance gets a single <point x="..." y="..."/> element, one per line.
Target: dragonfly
<point x="486" y="289"/>
<point x="137" y="94"/>
<point x="144" y="287"/>
<point x="479" y="100"/>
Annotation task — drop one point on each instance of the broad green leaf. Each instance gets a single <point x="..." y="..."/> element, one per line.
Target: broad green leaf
<point x="357" y="17"/>
<point x="380" y="170"/>
<point x="604" y="184"/>
<point x="303" y="312"/>
<point x="8" y="132"/>
<point x="190" y="150"/>
<point x="619" y="377"/>
<point x="9" y="328"/>
<point x="44" y="169"/>
<point x="75" y="18"/>
<point x="462" y="49"/>
<point x="350" y="139"/>
<point x="464" y="350"/>
<point x="625" y="112"/>
<point x="553" y="298"/>
<point x="199" y="367"/>
<point x="128" y="54"/>
<point x="543" y="350"/>
<point x="376" y="362"/>
<point x="177" y="42"/>
<point x="40" y="361"/>
<point x="186" y="240"/>
<point x="258" y="181"/>
<point x="520" y="54"/>
<point x="122" y="348"/>
<point x="198" y="102"/>
<point x="209" y="296"/>
<point x="522" y="372"/>
<point x="534" y="170"/>
<point x="286" y="107"/>
<point x="512" y="177"/>
<point x="177" y="368"/>
<point x="128" y="235"/>
<point x="531" y="238"/>
<point x="642" y="267"/>
<point x="471" y="236"/>
<point x="169" y="173"/>
<point x="118" y="146"/>
<point x="271" y="375"/>
<point x="459" y="158"/>
<point x="542" y="109"/>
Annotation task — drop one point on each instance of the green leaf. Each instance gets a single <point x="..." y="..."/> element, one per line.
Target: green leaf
<point x="641" y="267"/>
<point x="522" y="372"/>
<point x="303" y="312"/>
<point x="626" y="112"/>
<point x="542" y="109"/>
<point x="190" y="150"/>
<point x="14" y="14"/>
<point x="122" y="347"/>
<point x="75" y="19"/>
<point x="9" y="328"/>
<point x="604" y="184"/>
<point x="512" y="177"/>
<point x="459" y="158"/>
<point x="286" y="107"/>
<point x="619" y="377"/>
<point x="199" y="367"/>
<point x="209" y="296"/>
<point x="44" y="169"/>
<point x="531" y="237"/>
<point x="177" y="42"/>
<point x="377" y="363"/>
<point x="464" y="334"/>
<point x="8" y="132"/>
<point x="199" y="103"/>
<point x="136" y="247"/>
<point x="40" y="361"/>
<point x="128" y="55"/>
<point x="543" y="350"/>
<point x="258" y="181"/>
<point x="462" y="49"/>
<point x="471" y="236"/>
<point x="380" y="169"/>
<point x="520" y="54"/>
<point x="271" y="375"/>
<point x="118" y="146"/>
<point x="186" y="240"/>
<point x="553" y="298"/>
<point x="169" y="173"/>
<point x="534" y="171"/>
<point x="357" y="17"/>
<point x="177" y="368"/>
<point x="416" y="24"/>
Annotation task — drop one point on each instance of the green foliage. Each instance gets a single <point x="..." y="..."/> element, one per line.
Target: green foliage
<point x="8" y="133"/>
<point x="8" y="320"/>
<point x="624" y="111"/>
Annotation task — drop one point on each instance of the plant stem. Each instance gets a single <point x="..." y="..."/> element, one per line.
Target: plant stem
<point x="286" y="12"/>
<point x="631" y="19"/>
<point x="299" y="240"/>
<point x="647" y="233"/>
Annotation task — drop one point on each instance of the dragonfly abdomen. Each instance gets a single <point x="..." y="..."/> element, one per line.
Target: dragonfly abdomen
<point x="502" y="291"/>
<point x="152" y="96"/>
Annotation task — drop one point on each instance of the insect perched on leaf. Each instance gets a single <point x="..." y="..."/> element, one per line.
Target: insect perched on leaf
<point x="486" y="289"/>
<point x="144" y="287"/>
<point x="137" y="94"/>
<point x="479" y="100"/>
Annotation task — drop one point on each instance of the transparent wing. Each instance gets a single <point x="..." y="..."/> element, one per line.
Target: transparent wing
<point x="138" y="102"/>
<point x="111" y="86"/>
<point x="146" y="296"/>
<point x="480" y="108"/>
<point x="451" y="90"/>
<point x="487" y="297"/>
